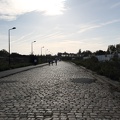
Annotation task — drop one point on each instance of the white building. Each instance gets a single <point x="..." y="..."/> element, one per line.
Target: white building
<point x="103" y="57"/>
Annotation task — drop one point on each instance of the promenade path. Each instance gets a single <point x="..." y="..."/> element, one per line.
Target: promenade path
<point x="62" y="92"/>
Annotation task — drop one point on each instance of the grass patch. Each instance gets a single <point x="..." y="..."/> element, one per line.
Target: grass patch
<point x="110" y="69"/>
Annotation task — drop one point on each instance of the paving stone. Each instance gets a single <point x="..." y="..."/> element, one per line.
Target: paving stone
<point x="62" y="92"/>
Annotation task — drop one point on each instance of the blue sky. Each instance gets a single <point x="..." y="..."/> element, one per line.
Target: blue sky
<point x="59" y="25"/>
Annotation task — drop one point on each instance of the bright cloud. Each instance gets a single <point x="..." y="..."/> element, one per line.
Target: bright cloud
<point x="10" y="9"/>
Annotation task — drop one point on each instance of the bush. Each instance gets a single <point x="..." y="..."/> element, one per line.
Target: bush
<point x="110" y="69"/>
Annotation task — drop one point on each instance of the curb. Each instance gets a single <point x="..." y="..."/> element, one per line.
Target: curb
<point x="18" y="70"/>
<point x="104" y="79"/>
<point x="114" y="84"/>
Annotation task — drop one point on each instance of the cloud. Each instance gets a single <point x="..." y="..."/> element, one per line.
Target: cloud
<point x="115" y="5"/>
<point x="10" y="9"/>
<point x="87" y="27"/>
<point x="39" y="38"/>
<point x="23" y="37"/>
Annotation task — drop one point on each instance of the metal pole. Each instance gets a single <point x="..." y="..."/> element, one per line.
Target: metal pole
<point x="46" y="52"/>
<point x="31" y="48"/>
<point x="41" y="50"/>
<point x="9" y="45"/>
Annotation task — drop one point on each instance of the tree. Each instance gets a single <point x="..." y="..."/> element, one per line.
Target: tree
<point x="59" y="54"/>
<point x="111" y="49"/>
<point x="100" y="52"/>
<point x="15" y="55"/>
<point x="79" y="52"/>
<point x="4" y="53"/>
<point x="86" y="53"/>
<point x="118" y="48"/>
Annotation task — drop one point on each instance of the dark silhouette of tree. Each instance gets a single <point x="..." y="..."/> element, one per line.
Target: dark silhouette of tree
<point x="4" y="53"/>
<point x="86" y="53"/>
<point x="15" y="55"/>
<point x="100" y="52"/>
<point x="65" y="54"/>
<point x="79" y="52"/>
<point x="118" y="48"/>
<point x="111" y="49"/>
<point x="59" y="54"/>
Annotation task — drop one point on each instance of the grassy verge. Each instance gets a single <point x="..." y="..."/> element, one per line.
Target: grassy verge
<point x="110" y="69"/>
<point x="5" y="66"/>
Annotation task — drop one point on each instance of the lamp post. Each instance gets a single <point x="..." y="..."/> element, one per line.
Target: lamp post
<point x="9" y="43"/>
<point x="32" y="47"/>
<point x="46" y="51"/>
<point x="41" y="50"/>
<point x="46" y="54"/>
<point x="50" y="53"/>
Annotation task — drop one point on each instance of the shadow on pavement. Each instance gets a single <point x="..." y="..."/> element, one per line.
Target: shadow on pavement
<point x="1" y="82"/>
<point x="83" y="80"/>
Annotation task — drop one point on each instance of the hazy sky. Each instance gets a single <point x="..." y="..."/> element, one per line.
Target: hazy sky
<point x="59" y="25"/>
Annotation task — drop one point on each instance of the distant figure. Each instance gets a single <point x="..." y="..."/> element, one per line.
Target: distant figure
<point x="35" y="61"/>
<point x="52" y="62"/>
<point x="49" y="62"/>
<point x="56" y="61"/>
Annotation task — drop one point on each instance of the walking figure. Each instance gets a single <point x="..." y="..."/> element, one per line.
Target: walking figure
<point x="56" y="61"/>
<point x="49" y="62"/>
<point x="52" y="62"/>
<point x="35" y="61"/>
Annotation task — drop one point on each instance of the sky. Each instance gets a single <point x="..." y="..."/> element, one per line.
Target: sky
<point x="59" y="25"/>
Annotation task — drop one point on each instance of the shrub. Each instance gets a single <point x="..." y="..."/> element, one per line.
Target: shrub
<point x="110" y="69"/>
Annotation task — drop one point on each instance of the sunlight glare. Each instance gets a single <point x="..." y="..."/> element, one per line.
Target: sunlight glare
<point x="48" y="7"/>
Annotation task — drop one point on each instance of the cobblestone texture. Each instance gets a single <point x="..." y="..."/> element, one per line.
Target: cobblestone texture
<point x="50" y="93"/>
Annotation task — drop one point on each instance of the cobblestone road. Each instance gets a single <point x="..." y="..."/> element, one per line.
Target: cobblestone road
<point x="62" y="92"/>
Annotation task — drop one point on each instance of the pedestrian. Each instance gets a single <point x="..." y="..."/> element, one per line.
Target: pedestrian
<point x="56" y="61"/>
<point x="49" y="62"/>
<point x="35" y="61"/>
<point x="52" y="62"/>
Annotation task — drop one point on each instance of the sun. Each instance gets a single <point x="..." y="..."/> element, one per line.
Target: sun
<point x="54" y="7"/>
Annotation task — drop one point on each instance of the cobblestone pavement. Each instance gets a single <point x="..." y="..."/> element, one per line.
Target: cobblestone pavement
<point x="62" y="92"/>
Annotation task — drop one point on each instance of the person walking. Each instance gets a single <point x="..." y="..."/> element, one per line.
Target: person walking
<point x="49" y="62"/>
<point x="52" y="61"/>
<point x="56" y="61"/>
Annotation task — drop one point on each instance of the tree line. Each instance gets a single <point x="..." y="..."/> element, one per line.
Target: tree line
<point x="18" y="60"/>
<point x="110" y="50"/>
<point x="110" y="69"/>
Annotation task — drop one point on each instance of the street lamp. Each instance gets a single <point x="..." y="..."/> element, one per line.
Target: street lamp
<point x="32" y="47"/>
<point x="41" y="50"/>
<point x="50" y="53"/>
<point x="9" y="42"/>
<point x="46" y="51"/>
